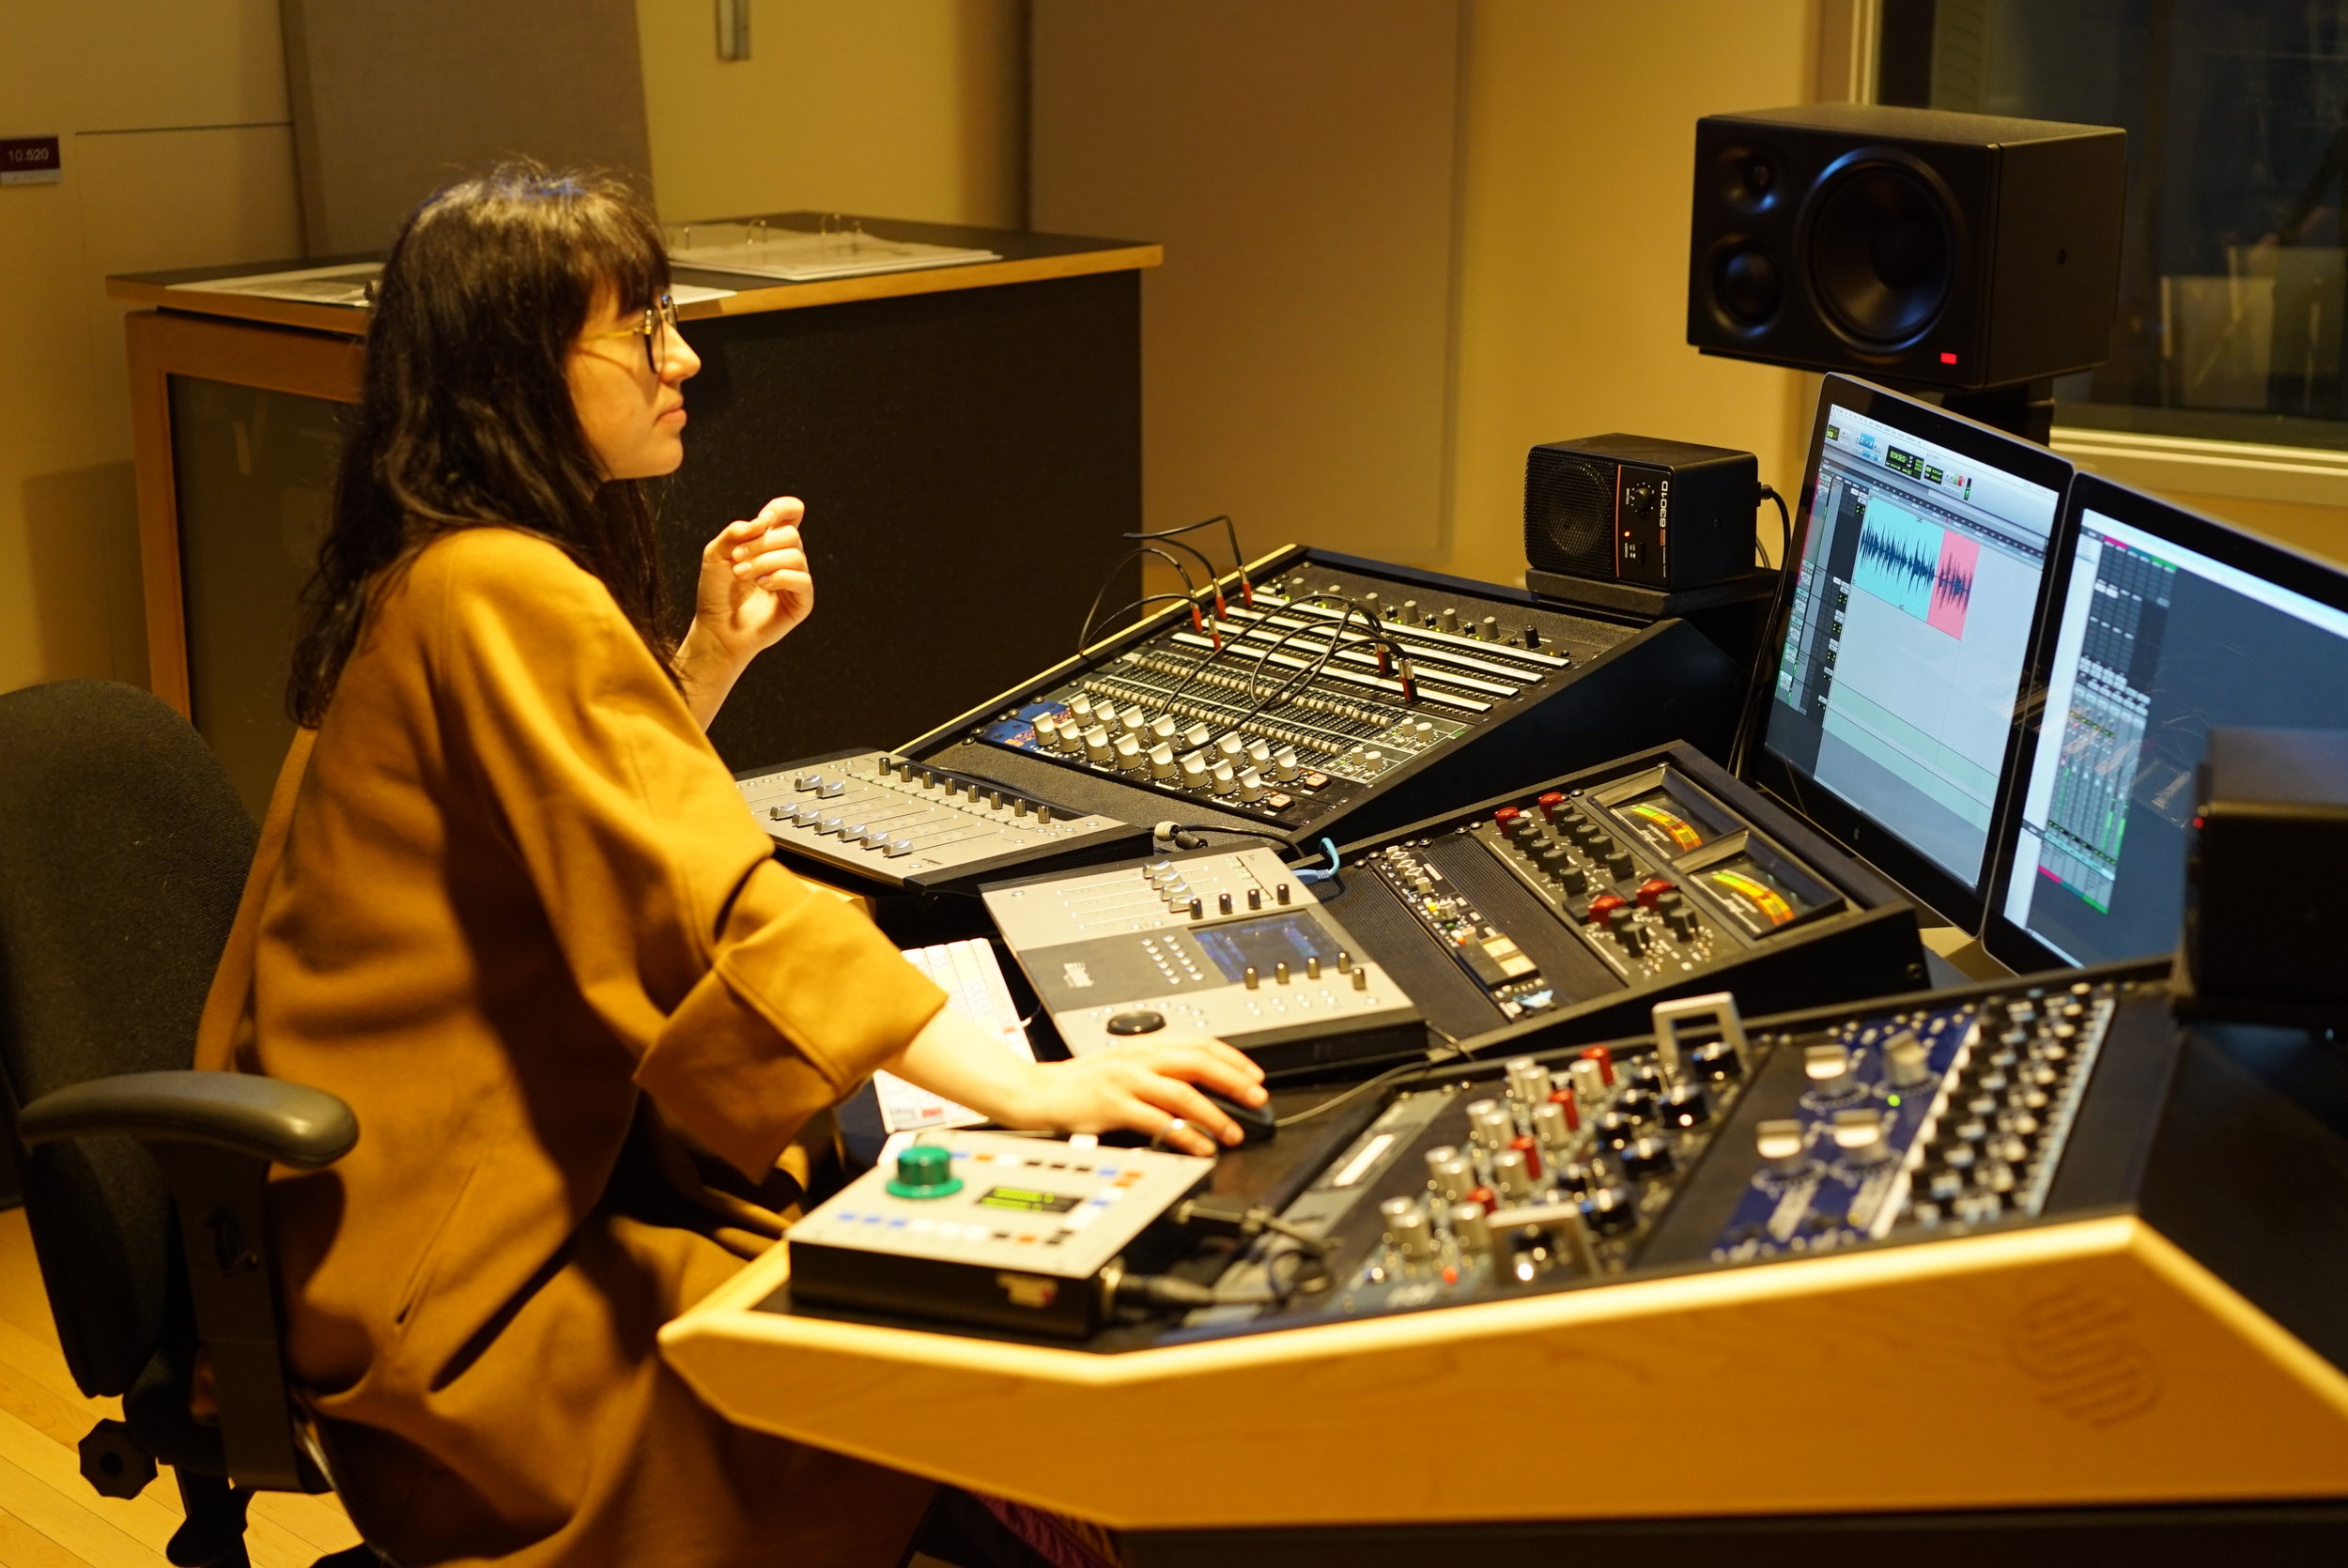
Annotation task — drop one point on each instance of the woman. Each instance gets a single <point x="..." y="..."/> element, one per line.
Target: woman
<point x="509" y="905"/>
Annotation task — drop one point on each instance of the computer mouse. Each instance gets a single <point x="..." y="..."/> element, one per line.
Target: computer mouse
<point x="1257" y="1123"/>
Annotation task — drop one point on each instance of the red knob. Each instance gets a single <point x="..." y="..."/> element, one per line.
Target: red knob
<point x="1524" y="1144"/>
<point x="1573" y="1111"/>
<point x="1549" y="802"/>
<point x="1652" y="890"/>
<point x="1603" y="905"/>
<point x="1506" y="815"/>
<point x="1605" y="1060"/>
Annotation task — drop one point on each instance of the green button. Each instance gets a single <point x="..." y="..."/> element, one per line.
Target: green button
<point x="924" y="1171"/>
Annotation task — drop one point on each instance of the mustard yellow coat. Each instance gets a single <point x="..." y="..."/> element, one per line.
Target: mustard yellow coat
<point x="510" y="907"/>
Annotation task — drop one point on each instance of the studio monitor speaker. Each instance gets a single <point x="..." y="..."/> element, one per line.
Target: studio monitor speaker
<point x="1910" y="245"/>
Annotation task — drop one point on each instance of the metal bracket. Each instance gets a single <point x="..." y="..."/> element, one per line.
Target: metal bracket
<point x="1715" y="1011"/>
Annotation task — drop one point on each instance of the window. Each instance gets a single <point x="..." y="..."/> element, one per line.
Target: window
<point x="2233" y="290"/>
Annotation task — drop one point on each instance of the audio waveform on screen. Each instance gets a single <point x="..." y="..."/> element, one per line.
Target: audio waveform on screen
<point x="1922" y="568"/>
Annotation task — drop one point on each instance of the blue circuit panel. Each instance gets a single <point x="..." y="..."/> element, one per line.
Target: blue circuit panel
<point x="1827" y="1197"/>
<point x="1018" y="732"/>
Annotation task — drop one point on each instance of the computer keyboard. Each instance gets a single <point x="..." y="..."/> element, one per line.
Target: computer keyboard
<point x="972" y="980"/>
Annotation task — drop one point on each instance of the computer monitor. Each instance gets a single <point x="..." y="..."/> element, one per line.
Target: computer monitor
<point x="1900" y="649"/>
<point x="2169" y="624"/>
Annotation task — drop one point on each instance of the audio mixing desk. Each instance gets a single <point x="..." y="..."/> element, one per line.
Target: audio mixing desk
<point x="2033" y="1273"/>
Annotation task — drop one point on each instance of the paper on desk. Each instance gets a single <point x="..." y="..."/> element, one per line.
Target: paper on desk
<point x="799" y="255"/>
<point x="958" y="967"/>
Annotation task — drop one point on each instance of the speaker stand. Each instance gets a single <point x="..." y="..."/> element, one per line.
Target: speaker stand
<point x="2024" y="409"/>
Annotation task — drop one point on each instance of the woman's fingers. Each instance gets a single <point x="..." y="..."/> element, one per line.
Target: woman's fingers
<point x="779" y="515"/>
<point x="1203" y="1059"/>
<point x="768" y="543"/>
<point x="1178" y="1099"/>
<point x="790" y="559"/>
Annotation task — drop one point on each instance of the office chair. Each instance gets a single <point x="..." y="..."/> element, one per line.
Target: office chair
<point x="123" y="851"/>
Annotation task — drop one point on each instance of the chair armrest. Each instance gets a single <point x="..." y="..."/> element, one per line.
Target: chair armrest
<point x="287" y="1124"/>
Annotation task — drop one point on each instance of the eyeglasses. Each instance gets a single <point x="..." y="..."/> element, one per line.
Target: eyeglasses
<point x="659" y="320"/>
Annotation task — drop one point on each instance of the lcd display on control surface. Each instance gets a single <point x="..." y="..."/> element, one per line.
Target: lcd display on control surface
<point x="1026" y="1200"/>
<point x="2158" y="643"/>
<point x="1261" y="944"/>
<point x="1900" y="666"/>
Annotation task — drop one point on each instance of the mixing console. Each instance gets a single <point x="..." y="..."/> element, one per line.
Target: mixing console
<point x="1567" y="1168"/>
<point x="1952" y="1115"/>
<point x="1335" y="690"/>
<point x="1231" y="942"/>
<point x="900" y="823"/>
<point x="1652" y="875"/>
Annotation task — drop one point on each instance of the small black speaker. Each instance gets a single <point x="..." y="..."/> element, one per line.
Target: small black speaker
<point x="1631" y="509"/>
<point x="1911" y="245"/>
<point x="2268" y="851"/>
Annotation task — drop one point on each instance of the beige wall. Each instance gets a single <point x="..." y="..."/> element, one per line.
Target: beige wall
<point x="1297" y="159"/>
<point x="175" y="153"/>
<point x="897" y="108"/>
<point x="1580" y="125"/>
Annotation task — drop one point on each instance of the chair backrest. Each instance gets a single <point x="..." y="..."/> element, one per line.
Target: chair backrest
<point x="123" y="851"/>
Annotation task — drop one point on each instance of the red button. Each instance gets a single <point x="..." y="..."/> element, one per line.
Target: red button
<point x="1506" y="815"/>
<point x="1549" y="802"/>
<point x="1652" y="890"/>
<point x="1605" y="904"/>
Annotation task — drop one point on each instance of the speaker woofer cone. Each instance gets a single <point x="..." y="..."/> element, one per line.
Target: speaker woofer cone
<point x="1883" y="242"/>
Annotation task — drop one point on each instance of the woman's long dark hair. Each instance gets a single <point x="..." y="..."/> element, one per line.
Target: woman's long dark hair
<point x="465" y="415"/>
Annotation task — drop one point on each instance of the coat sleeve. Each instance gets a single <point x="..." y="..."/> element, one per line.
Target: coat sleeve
<point x="748" y="999"/>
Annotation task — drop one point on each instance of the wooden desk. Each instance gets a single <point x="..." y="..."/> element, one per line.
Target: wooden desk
<point x="967" y="441"/>
<point x="2087" y="1364"/>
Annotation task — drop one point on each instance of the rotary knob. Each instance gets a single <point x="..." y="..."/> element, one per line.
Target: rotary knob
<point x="1781" y="1146"/>
<point x="1097" y="743"/>
<point x="1284" y="763"/>
<point x="1830" y="1070"/>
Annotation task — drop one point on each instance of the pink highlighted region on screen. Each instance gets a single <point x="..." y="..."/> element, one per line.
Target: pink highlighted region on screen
<point x="1953" y="582"/>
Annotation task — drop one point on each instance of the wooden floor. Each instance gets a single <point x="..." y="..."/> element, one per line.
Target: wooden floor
<point x="49" y="1517"/>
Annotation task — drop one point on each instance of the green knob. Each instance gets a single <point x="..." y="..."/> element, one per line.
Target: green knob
<point x="924" y="1171"/>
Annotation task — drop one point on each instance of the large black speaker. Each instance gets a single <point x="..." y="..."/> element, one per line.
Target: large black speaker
<point x="1910" y="245"/>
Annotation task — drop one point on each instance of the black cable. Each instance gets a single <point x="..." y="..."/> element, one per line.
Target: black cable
<point x="1149" y="599"/>
<point x="1785" y="526"/>
<point x="1337" y="633"/>
<point x="1279" y="838"/>
<point x="1230" y="532"/>
<point x="1324" y="1107"/>
<point x="1215" y="578"/>
<point x="1084" y="636"/>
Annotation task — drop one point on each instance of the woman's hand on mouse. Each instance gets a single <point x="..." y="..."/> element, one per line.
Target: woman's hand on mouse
<point x="1145" y="1087"/>
<point x="755" y="589"/>
<point x="1148" y="1087"/>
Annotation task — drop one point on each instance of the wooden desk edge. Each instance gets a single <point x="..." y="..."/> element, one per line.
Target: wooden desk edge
<point x="2131" y="1433"/>
<point x="350" y="322"/>
<point x="728" y="1313"/>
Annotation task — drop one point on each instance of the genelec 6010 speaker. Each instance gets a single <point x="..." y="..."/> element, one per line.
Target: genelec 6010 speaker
<point x="1928" y="249"/>
<point x="1636" y="510"/>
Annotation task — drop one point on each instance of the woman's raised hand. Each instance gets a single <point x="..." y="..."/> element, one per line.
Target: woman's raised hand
<point x="754" y="589"/>
<point x="755" y="586"/>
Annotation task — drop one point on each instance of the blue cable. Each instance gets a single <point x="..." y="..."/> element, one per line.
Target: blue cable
<point x="1328" y="850"/>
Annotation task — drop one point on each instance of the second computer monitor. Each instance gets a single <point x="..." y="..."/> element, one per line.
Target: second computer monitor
<point x="2169" y="624"/>
<point x="1901" y="650"/>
